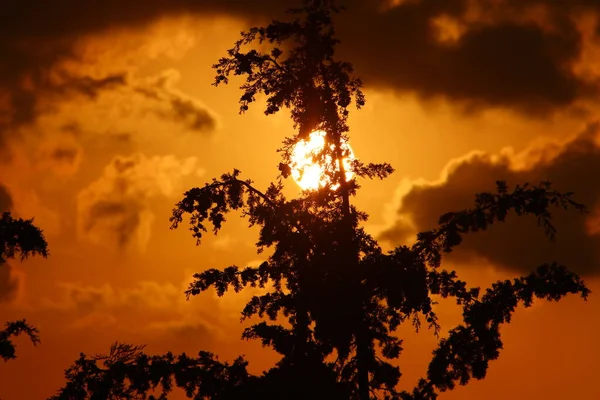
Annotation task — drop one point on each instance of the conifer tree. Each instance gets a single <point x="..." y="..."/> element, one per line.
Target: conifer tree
<point x="336" y="298"/>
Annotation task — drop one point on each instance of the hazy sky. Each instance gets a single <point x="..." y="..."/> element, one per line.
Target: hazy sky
<point x="107" y="115"/>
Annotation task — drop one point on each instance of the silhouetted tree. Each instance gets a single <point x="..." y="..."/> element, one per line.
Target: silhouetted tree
<point x="336" y="297"/>
<point x="339" y="292"/>
<point x="18" y="237"/>
<point x="126" y="372"/>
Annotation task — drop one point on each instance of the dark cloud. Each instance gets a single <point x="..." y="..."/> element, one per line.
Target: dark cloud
<point x="125" y="216"/>
<point x="35" y="18"/>
<point x="21" y="104"/>
<point x="195" y="117"/>
<point x="518" y="244"/>
<point x="62" y="158"/>
<point x="176" y="106"/>
<point x="36" y="36"/>
<point x="500" y="63"/>
<point x="66" y="155"/>
<point x="90" y="86"/>
<point x="23" y="93"/>
<point x="501" y="58"/>
<point x="6" y="202"/>
<point x="9" y="283"/>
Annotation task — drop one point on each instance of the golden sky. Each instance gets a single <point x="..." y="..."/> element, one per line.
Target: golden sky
<point x="107" y="116"/>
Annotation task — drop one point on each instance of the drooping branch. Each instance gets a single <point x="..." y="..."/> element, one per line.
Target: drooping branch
<point x="231" y="277"/>
<point x="491" y="208"/>
<point x="466" y="352"/>
<point x="12" y="329"/>
<point x="387" y="274"/>
<point x="126" y="372"/>
<point x="230" y="193"/>
<point x="372" y="170"/>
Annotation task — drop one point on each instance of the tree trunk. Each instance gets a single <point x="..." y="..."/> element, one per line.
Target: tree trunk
<point x="352" y="259"/>
<point x="362" y="361"/>
<point x="362" y="341"/>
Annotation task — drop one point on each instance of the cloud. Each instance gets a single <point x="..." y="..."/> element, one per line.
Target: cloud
<point x="60" y="153"/>
<point x="22" y="103"/>
<point x="176" y="106"/>
<point x="158" y="309"/>
<point x="6" y="202"/>
<point x="517" y="244"/>
<point x="111" y="121"/>
<point x="507" y="54"/>
<point x="115" y="210"/>
<point x="516" y="54"/>
<point x="43" y="48"/>
<point x="87" y="299"/>
<point x="182" y="329"/>
<point x="10" y="283"/>
<point x="88" y="69"/>
<point x="10" y="279"/>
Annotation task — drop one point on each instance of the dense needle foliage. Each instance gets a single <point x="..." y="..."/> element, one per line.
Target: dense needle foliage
<point x="18" y="237"/>
<point x="335" y="299"/>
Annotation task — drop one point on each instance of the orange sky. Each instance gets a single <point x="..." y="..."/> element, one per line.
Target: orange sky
<point x="107" y="115"/>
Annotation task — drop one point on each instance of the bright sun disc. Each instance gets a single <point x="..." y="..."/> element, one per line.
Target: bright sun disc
<point x="308" y="174"/>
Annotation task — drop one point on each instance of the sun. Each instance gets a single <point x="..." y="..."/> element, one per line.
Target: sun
<point x="308" y="174"/>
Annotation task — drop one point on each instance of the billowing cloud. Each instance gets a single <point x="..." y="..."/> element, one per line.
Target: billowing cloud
<point x="44" y="48"/>
<point x="140" y="108"/>
<point x="115" y="210"/>
<point x="175" y="105"/>
<point x="517" y="244"/>
<point x="508" y="53"/>
<point x="91" y="70"/>
<point x="490" y="53"/>
<point x="21" y="103"/>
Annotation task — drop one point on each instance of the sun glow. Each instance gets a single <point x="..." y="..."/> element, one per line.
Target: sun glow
<point x="307" y="173"/>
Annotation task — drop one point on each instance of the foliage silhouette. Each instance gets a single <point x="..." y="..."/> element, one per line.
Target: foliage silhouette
<point x="335" y="298"/>
<point x="18" y="237"/>
<point x="127" y="373"/>
<point x="15" y="328"/>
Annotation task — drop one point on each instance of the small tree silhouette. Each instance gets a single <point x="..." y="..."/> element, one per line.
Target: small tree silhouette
<point x="18" y="237"/>
<point x="337" y="298"/>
